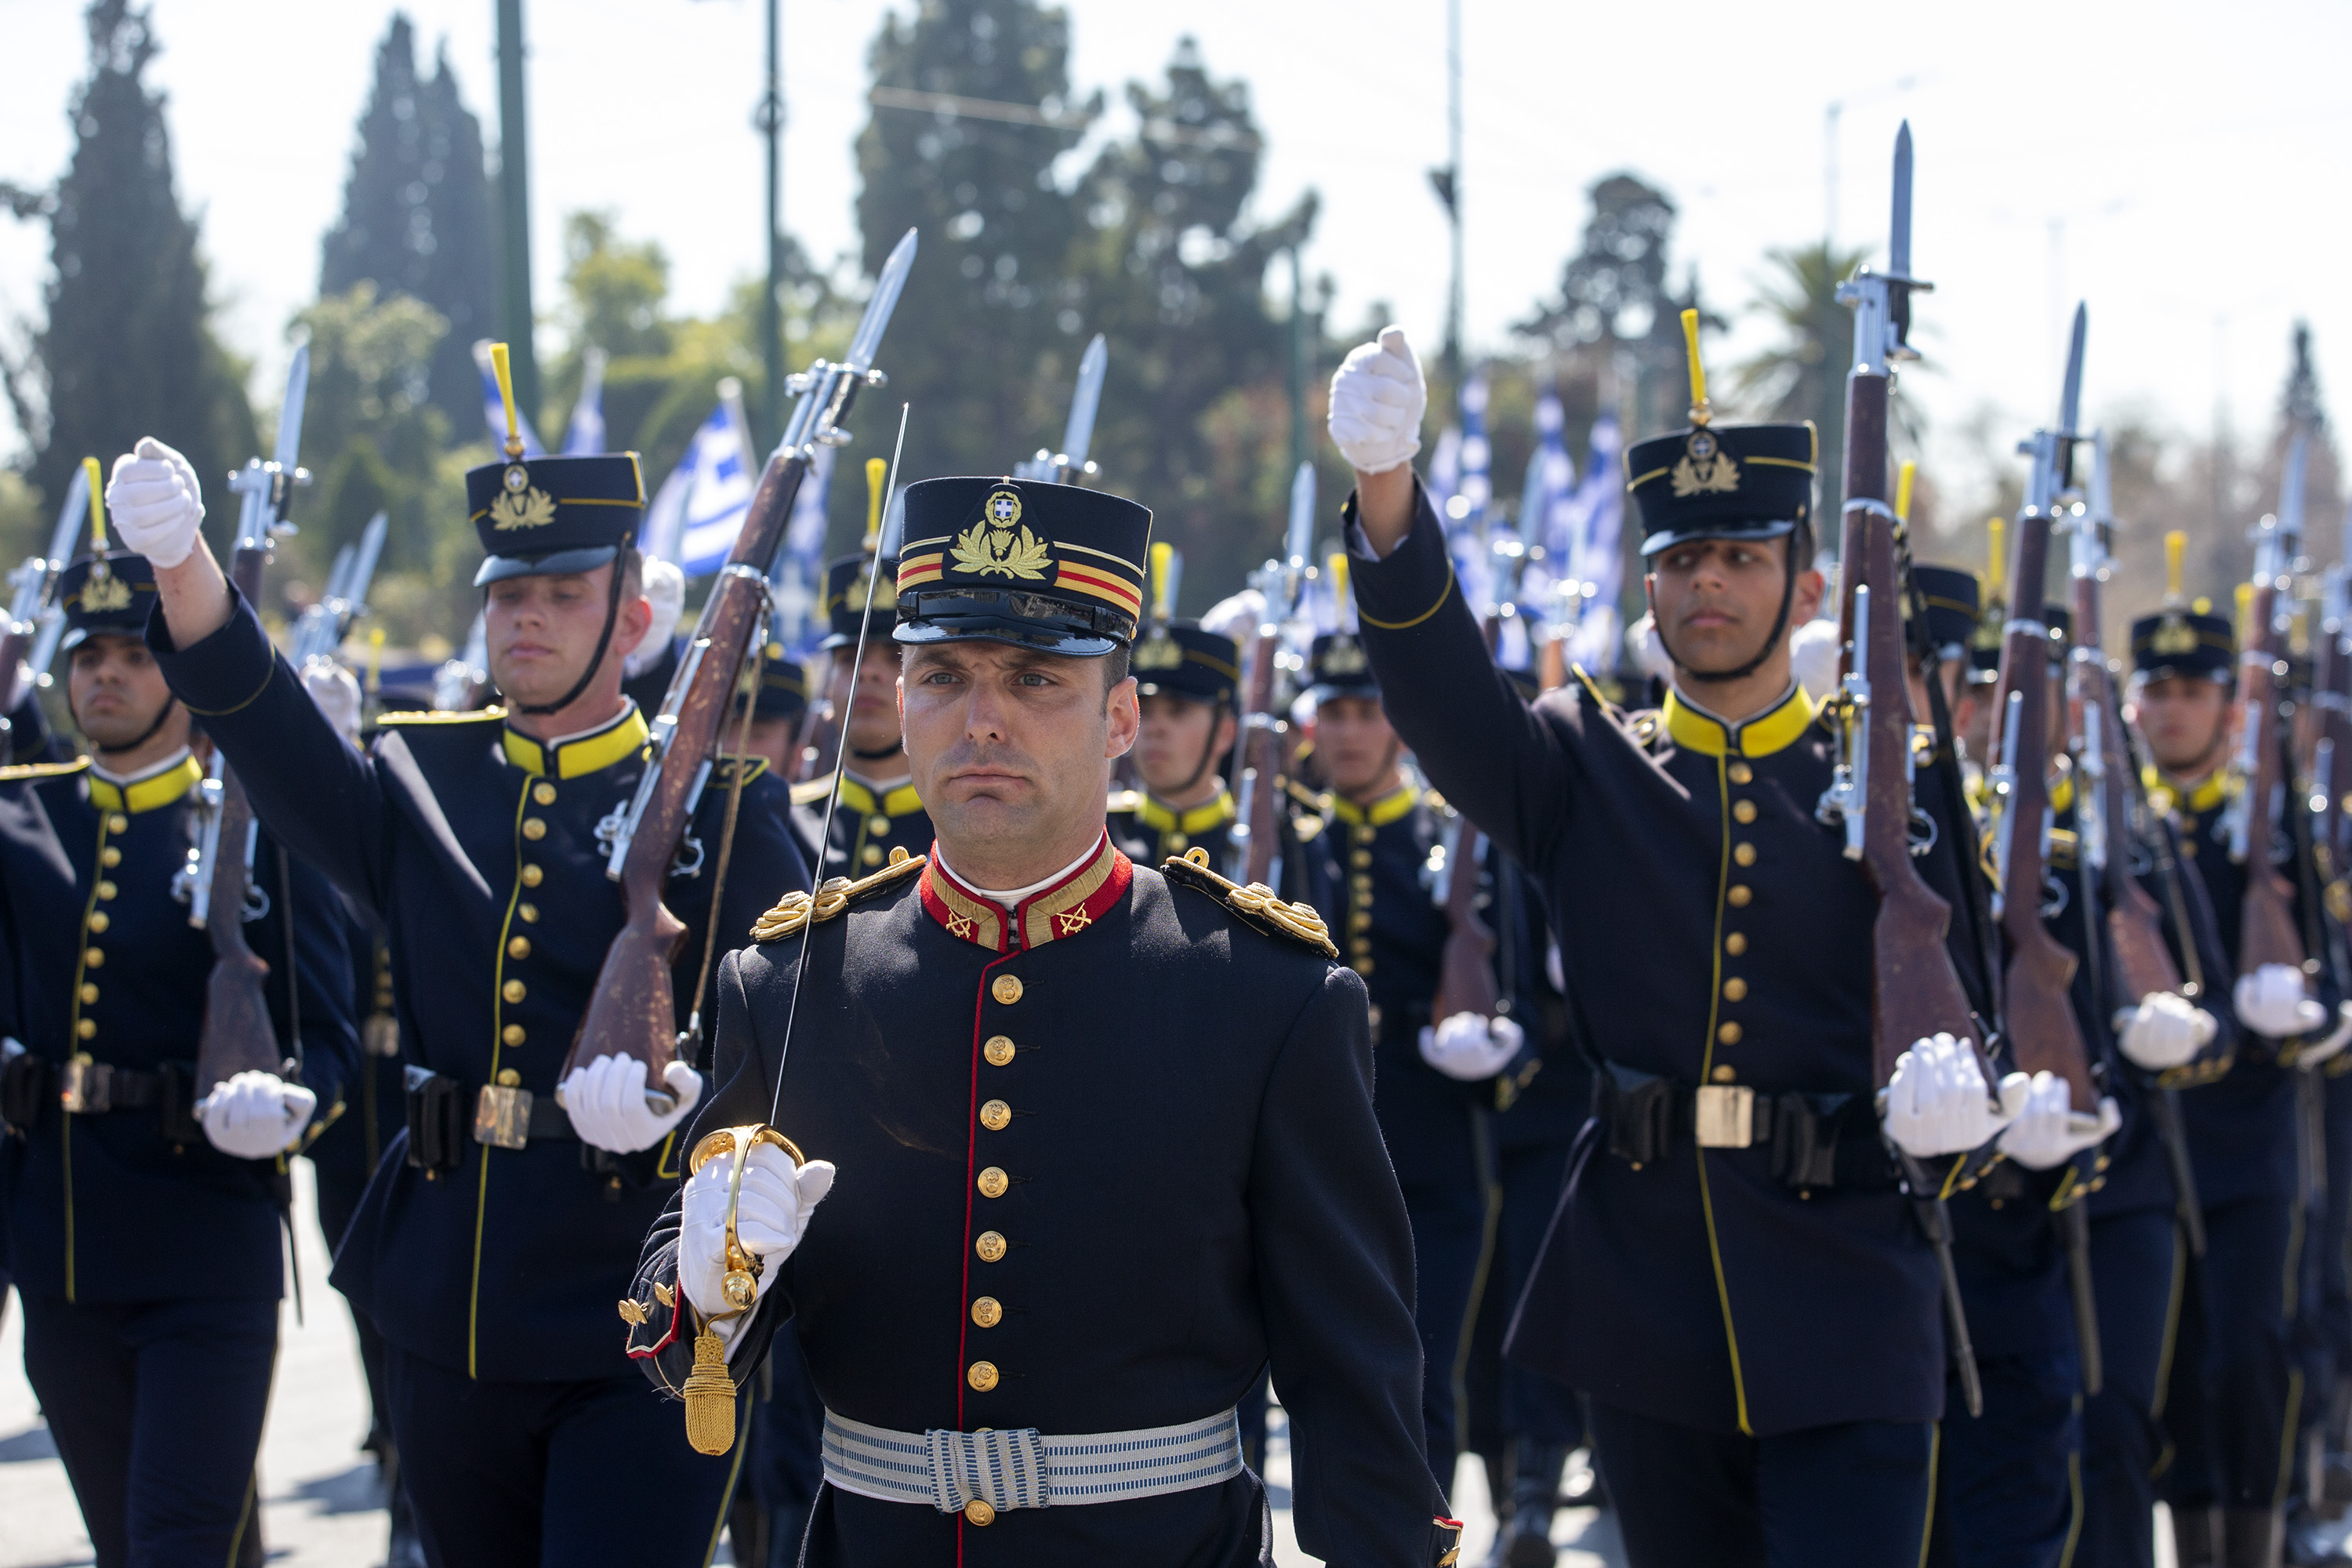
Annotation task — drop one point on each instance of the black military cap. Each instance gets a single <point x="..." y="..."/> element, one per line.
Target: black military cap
<point x="543" y="517"/>
<point x="1181" y="659"/>
<point x="2182" y="642"/>
<point x="846" y="581"/>
<point x="106" y="596"/>
<point x="1953" y="606"/>
<point x="1024" y="562"/>
<point x="1337" y="668"/>
<point x="783" y="691"/>
<point x="1722" y="481"/>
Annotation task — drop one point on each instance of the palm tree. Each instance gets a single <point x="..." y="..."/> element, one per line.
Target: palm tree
<point x="1803" y="377"/>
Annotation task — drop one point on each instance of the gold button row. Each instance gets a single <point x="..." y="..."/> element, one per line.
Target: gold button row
<point x="998" y="1050"/>
<point x="1006" y="989"/>
<point x="987" y="1312"/>
<point x="982" y="1375"/>
<point x="533" y="828"/>
<point x="105" y="889"/>
<point x="513" y="991"/>
<point x="109" y="856"/>
<point x="1743" y="811"/>
<point x="511" y="1034"/>
<point x="980" y="1510"/>
<point x="533" y="876"/>
<point x="99" y="920"/>
<point x="117" y="823"/>
<point x="1741" y="772"/>
<point x="996" y="1116"/>
<point x="990" y="1246"/>
<point x="993" y="1181"/>
<point x="544" y="793"/>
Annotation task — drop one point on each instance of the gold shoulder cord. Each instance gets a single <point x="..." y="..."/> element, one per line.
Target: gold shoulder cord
<point x="710" y="1388"/>
<point x="1298" y="921"/>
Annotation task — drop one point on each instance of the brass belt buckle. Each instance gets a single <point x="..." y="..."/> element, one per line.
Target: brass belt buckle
<point x="1726" y="1116"/>
<point x="86" y="1087"/>
<point x="503" y="1117"/>
<point x="380" y="1034"/>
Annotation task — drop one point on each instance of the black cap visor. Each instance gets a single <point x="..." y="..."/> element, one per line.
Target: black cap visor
<point x="555" y="564"/>
<point x="1742" y="528"/>
<point x="1024" y="620"/>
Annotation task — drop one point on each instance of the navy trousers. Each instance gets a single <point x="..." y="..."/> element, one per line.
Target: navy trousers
<point x="507" y="1474"/>
<point x="1449" y="1235"/>
<point x="786" y="1463"/>
<point x="2009" y="1482"/>
<point x="2235" y="1386"/>
<point x="2139" y="1269"/>
<point x="156" y="1410"/>
<point x="1854" y="1494"/>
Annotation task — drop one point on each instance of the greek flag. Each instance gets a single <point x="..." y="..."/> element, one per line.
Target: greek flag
<point x="707" y="509"/>
<point x="1598" y="560"/>
<point x="585" y="438"/>
<point x="494" y="411"/>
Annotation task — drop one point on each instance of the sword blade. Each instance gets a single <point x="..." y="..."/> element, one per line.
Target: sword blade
<point x="1080" y="433"/>
<point x="1898" y="230"/>
<point x="2070" y="402"/>
<point x="289" y="417"/>
<point x="887" y="288"/>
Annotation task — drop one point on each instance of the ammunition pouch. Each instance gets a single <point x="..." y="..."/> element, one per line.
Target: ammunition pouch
<point x="436" y="1120"/>
<point x="23" y="1089"/>
<point x="79" y="1087"/>
<point x="1645" y="1117"/>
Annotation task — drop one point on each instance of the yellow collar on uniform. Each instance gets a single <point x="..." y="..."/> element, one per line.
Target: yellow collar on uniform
<point x="1382" y="811"/>
<point x="2166" y="793"/>
<point x="157" y="786"/>
<point x="591" y="750"/>
<point x="1199" y="819"/>
<point x="1776" y="729"/>
<point x="901" y="800"/>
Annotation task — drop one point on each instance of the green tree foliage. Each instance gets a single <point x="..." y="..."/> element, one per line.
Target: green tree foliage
<point x="1802" y="376"/>
<point x="128" y="348"/>
<point x="417" y="214"/>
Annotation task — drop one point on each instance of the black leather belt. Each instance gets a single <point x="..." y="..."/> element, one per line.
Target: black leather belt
<point x="81" y="1087"/>
<point x="442" y="1118"/>
<point x="1647" y="1116"/>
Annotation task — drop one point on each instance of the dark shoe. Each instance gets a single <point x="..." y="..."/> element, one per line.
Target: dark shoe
<point x="2197" y="1537"/>
<point x="2252" y="1537"/>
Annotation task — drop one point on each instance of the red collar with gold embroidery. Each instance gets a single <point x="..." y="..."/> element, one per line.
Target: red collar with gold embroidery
<point x="1052" y="914"/>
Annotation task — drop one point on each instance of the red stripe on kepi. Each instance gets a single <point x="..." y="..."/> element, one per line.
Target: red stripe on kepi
<point x="1124" y="595"/>
<point x="920" y="572"/>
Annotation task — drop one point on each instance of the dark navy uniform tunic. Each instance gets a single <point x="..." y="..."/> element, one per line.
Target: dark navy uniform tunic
<point x="867" y="826"/>
<point x="1100" y="1162"/>
<point x="1150" y="830"/>
<point x="1713" y="932"/>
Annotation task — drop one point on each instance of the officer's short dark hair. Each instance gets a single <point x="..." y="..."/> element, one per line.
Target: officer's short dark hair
<point x="1114" y="665"/>
<point x="631" y="564"/>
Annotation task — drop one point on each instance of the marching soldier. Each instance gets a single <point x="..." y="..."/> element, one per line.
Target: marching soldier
<point x="486" y="1247"/>
<point x="777" y="694"/>
<point x="1744" y="1295"/>
<point x="879" y="808"/>
<point x="144" y="1205"/>
<point x="1007" y="1050"/>
<point x="1186" y="688"/>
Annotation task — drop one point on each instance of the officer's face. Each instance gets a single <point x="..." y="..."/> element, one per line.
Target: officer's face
<point x="872" y="702"/>
<point x="116" y="689"/>
<point x="2186" y="721"/>
<point x="1358" y="747"/>
<point x="541" y="631"/>
<point x="1181" y="741"/>
<point x="1717" y="599"/>
<point x="1008" y="745"/>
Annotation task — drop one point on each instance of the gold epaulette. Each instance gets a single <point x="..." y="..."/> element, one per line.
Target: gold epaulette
<point x="435" y="716"/>
<point x="1123" y="800"/>
<point x="1645" y="727"/>
<point x="23" y="771"/>
<point x="811" y="792"/>
<point x="836" y="894"/>
<point x="722" y="771"/>
<point x="1257" y="905"/>
<point x="1305" y="796"/>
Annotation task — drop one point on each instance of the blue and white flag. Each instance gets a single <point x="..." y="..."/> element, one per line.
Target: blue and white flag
<point x="1545" y="499"/>
<point x="585" y="438"/>
<point x="798" y="576"/>
<point x="494" y="410"/>
<point x="717" y="495"/>
<point x="1598" y="562"/>
<point x="1464" y="511"/>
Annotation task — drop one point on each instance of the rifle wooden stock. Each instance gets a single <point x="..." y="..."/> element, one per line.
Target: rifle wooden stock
<point x="1466" y="966"/>
<point x="2266" y="929"/>
<point x="2135" y="921"/>
<point x="1915" y="991"/>
<point x="237" y="1035"/>
<point x="2038" y="1011"/>
<point x="633" y="1011"/>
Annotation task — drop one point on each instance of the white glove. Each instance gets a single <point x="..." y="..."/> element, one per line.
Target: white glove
<point x="1377" y="401"/>
<point x="2164" y="1031"/>
<point x="1649" y="653"/>
<point x="255" y="1115"/>
<point x="606" y="1102"/>
<point x="1813" y="650"/>
<point x="1937" y="1102"/>
<point x="2049" y="1132"/>
<point x="770" y="1216"/>
<point x="2271" y="1001"/>
<point x="337" y="692"/>
<point x="2311" y="1056"/>
<point x="156" y="503"/>
<point x="1469" y="1047"/>
<point x="665" y="591"/>
<point x="11" y="1047"/>
<point x="1237" y="616"/>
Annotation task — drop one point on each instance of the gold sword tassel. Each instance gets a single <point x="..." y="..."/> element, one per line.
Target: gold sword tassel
<point x="709" y="1388"/>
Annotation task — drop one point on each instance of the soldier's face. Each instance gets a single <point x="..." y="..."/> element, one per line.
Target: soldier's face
<point x="1181" y="741"/>
<point x="115" y="690"/>
<point x="773" y="739"/>
<point x="871" y="701"/>
<point x="2186" y="721"/>
<point x="1717" y="599"/>
<point x="1354" y="744"/>
<point x="1008" y="745"/>
<point x="541" y="631"/>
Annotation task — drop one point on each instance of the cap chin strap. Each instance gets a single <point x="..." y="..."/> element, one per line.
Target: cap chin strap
<point x="596" y="660"/>
<point x="1208" y="749"/>
<point x="149" y="733"/>
<point x="883" y="754"/>
<point x="1771" y="640"/>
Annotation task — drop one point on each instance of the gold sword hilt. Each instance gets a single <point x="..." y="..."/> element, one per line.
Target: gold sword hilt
<point x="709" y="1388"/>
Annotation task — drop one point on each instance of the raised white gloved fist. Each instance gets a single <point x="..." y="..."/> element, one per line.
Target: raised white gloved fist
<point x="606" y="1102"/>
<point x="2318" y="1051"/>
<point x="1938" y="1102"/>
<point x="1469" y="1047"/>
<point x="2271" y="1001"/>
<point x="337" y="693"/>
<point x="665" y="591"/>
<point x="2165" y="1030"/>
<point x="1813" y="650"/>
<point x="2048" y="1131"/>
<point x="1377" y="400"/>
<point x="255" y="1115"/>
<point x="156" y="503"/>
<point x="770" y="1216"/>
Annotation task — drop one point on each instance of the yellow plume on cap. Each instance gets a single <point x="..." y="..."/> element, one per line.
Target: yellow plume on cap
<point x="1997" y="528"/>
<point x="1700" y="412"/>
<point x="96" y="506"/>
<point x="2245" y="610"/>
<point x="2201" y="606"/>
<point x="1902" y="477"/>
<point x="1337" y="566"/>
<point x="376" y="658"/>
<point x="2176" y="546"/>
<point x="876" y="472"/>
<point x="506" y="395"/>
<point x="1163" y="594"/>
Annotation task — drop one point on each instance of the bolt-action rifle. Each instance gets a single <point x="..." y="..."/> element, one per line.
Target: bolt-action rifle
<point x="35" y="619"/>
<point x="1257" y="837"/>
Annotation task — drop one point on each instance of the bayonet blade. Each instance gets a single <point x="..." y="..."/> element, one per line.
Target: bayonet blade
<point x="2070" y="402"/>
<point x="73" y="521"/>
<point x="2290" y="491"/>
<point x="2103" y="505"/>
<point x="363" y="566"/>
<point x="1302" y="514"/>
<point x="887" y="288"/>
<point x="1898" y="230"/>
<point x="289" y="417"/>
<point x="1084" y="403"/>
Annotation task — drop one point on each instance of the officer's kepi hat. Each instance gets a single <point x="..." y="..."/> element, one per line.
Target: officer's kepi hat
<point x="1953" y="606"/>
<point x="1181" y="659"/>
<point x="1337" y="667"/>
<point x="2182" y="642"/>
<point x="1722" y="481"/>
<point x="106" y="596"/>
<point x="1039" y="565"/>
<point x="547" y="517"/>
<point x="846" y="580"/>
